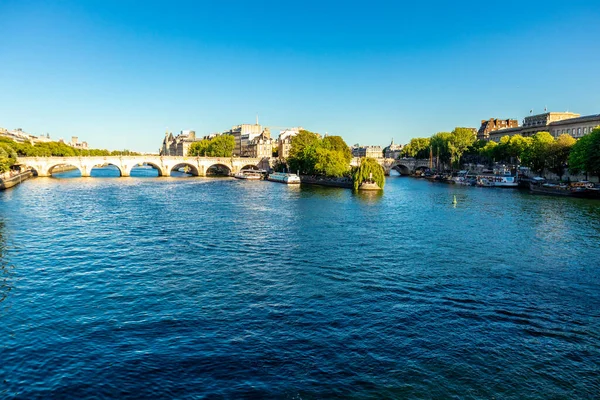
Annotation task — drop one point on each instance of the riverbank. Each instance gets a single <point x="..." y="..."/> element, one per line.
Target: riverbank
<point x="345" y="183"/>
<point x="11" y="180"/>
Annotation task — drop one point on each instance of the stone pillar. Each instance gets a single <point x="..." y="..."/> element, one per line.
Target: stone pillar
<point x="125" y="172"/>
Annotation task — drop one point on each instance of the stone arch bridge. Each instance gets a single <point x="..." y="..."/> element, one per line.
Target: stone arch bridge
<point x="198" y="166"/>
<point x="405" y="166"/>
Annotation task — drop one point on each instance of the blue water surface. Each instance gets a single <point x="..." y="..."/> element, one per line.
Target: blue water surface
<point x="219" y="288"/>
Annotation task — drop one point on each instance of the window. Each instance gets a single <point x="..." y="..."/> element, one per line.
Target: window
<point x="573" y="131"/>
<point x="584" y="130"/>
<point x="578" y="131"/>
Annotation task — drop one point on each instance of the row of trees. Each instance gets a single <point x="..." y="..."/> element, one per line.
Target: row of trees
<point x="448" y="146"/>
<point x="539" y="152"/>
<point x="10" y="150"/>
<point x="219" y="146"/>
<point x="312" y="155"/>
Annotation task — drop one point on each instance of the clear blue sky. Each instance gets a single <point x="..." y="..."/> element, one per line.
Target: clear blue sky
<point x="118" y="73"/>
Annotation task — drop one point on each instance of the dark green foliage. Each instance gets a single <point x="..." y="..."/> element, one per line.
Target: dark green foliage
<point x="312" y="155"/>
<point x="368" y="169"/>
<point x="219" y="146"/>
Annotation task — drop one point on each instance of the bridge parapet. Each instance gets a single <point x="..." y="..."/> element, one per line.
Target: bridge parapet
<point x="198" y="165"/>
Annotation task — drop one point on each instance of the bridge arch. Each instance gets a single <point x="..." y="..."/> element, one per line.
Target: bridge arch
<point x="190" y="168"/>
<point x="402" y="169"/>
<point x="108" y="173"/>
<point x="250" y="166"/>
<point x="218" y="169"/>
<point x="139" y="169"/>
<point x="65" y="171"/>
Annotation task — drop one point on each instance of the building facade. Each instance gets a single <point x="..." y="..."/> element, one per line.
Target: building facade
<point x="576" y="127"/>
<point x="243" y="135"/>
<point x="393" y="150"/>
<point x="261" y="147"/>
<point x="553" y="122"/>
<point x="20" y="136"/>
<point x="284" y="142"/>
<point x="177" y="145"/>
<point x="367" y="151"/>
<point x="494" y="124"/>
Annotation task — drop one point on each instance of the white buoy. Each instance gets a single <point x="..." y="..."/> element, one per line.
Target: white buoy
<point x="454" y="201"/>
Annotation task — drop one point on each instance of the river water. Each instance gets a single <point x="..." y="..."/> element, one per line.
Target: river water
<point x="219" y="288"/>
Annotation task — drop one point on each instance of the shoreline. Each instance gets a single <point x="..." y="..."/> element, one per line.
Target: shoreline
<point x="7" y="183"/>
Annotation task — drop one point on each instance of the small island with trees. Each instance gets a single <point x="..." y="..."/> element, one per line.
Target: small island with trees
<point x="326" y="161"/>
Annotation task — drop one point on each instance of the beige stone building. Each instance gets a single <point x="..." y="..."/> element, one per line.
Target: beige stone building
<point x="576" y="127"/>
<point x="367" y="151"/>
<point x="177" y="145"/>
<point x="392" y="150"/>
<point x="494" y="124"/>
<point x="551" y="122"/>
<point x="243" y="135"/>
<point x="261" y="147"/>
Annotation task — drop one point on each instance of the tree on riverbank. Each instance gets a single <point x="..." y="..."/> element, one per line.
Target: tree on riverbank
<point x="8" y="157"/>
<point x="59" y="149"/>
<point x="417" y="148"/>
<point x="585" y="154"/>
<point x="219" y="146"/>
<point x="368" y="169"/>
<point x="311" y="155"/>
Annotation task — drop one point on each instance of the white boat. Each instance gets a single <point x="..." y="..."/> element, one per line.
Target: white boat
<point x="507" y="181"/>
<point x="282" y="177"/>
<point x="249" y="174"/>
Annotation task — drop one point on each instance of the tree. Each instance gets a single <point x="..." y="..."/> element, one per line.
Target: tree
<point x="594" y="153"/>
<point x="558" y="154"/>
<point x="536" y="155"/>
<point x="489" y="150"/>
<point x="579" y="155"/>
<point x="417" y="148"/>
<point x="369" y="168"/>
<point x="330" y="162"/>
<point x="302" y="155"/>
<point x="199" y="149"/>
<point x="338" y="144"/>
<point x="8" y="157"/>
<point x="460" y="141"/>
<point x="221" y="146"/>
<point x="439" y="145"/>
<point x="517" y="146"/>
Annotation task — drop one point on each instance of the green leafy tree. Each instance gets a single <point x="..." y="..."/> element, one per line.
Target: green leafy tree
<point x="558" y="154"/>
<point x="489" y="150"/>
<point x="439" y="145"/>
<point x="303" y="149"/>
<point x="460" y="141"/>
<point x="330" y="162"/>
<point x="369" y="168"/>
<point x="199" y="149"/>
<point x="221" y="146"/>
<point x="417" y="148"/>
<point x="585" y="154"/>
<point x="517" y="146"/>
<point x="579" y="155"/>
<point x="536" y="155"/>
<point x="336" y="143"/>
<point x="8" y="157"/>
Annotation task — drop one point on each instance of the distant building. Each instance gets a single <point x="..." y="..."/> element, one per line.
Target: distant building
<point x="261" y="146"/>
<point x="177" y="145"/>
<point x="367" y="151"/>
<point x="20" y="136"/>
<point x="392" y="150"/>
<point x="75" y="143"/>
<point x="284" y="142"/>
<point x="494" y="124"/>
<point x="243" y="135"/>
<point x="576" y="127"/>
<point x="550" y="122"/>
